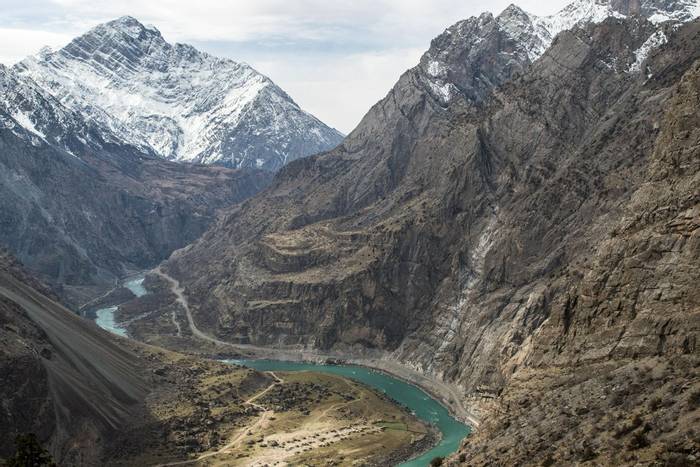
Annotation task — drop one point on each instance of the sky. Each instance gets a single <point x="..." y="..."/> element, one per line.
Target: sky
<point x="335" y="58"/>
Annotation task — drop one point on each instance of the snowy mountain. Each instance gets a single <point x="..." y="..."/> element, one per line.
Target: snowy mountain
<point x="466" y="59"/>
<point x="581" y="12"/>
<point x="175" y="101"/>
<point x="35" y="116"/>
<point x="81" y="208"/>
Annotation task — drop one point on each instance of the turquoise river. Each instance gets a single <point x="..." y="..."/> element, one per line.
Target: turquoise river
<point x="421" y="404"/>
<point x="104" y="317"/>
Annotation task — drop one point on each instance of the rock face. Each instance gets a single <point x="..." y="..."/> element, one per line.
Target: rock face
<point x="175" y="101"/>
<point x="103" y="206"/>
<point x="498" y="222"/>
<point x="611" y="375"/>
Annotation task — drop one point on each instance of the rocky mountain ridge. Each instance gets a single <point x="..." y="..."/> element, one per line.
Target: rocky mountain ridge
<point x="175" y="101"/>
<point x="474" y="235"/>
<point x="528" y="36"/>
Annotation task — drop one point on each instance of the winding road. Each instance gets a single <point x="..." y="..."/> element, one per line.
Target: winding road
<point x="180" y="298"/>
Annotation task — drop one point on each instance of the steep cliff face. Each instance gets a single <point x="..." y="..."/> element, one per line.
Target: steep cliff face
<point x="427" y="211"/>
<point x="561" y="149"/>
<point x="612" y="376"/>
<point x="333" y="225"/>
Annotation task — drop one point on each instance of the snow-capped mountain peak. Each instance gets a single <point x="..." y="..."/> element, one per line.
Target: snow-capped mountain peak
<point x="176" y="101"/>
<point x="581" y="12"/>
<point x="474" y="55"/>
<point x="575" y="14"/>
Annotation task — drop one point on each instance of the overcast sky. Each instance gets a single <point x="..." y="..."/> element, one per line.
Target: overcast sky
<point x="335" y="58"/>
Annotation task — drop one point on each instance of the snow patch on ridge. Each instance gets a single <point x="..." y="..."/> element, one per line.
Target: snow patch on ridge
<point x="687" y="10"/>
<point x="442" y="91"/>
<point x="435" y="68"/>
<point x="655" y="40"/>
<point x="24" y="121"/>
<point x="575" y="14"/>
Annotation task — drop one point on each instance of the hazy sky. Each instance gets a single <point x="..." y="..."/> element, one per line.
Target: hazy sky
<point x="335" y="58"/>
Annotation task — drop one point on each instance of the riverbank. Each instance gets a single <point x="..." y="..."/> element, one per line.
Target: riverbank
<point x="415" y="450"/>
<point x="106" y="316"/>
<point x="448" y="395"/>
<point x="449" y="431"/>
<point x="326" y="414"/>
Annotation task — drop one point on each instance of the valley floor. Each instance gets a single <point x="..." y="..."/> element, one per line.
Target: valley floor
<point x="165" y="319"/>
<point x="308" y="418"/>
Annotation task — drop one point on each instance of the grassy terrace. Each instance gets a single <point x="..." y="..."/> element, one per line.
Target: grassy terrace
<point x="316" y="418"/>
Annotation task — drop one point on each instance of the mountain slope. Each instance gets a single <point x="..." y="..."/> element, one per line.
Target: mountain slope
<point x="175" y="101"/>
<point x="68" y="397"/>
<point x="361" y="238"/>
<point x="617" y="351"/>
<point x="464" y="234"/>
